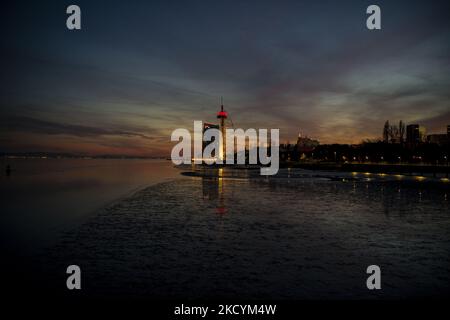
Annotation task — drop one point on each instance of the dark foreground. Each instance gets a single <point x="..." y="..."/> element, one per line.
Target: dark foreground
<point x="289" y="239"/>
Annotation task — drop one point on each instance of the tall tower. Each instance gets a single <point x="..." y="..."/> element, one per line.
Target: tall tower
<point x="222" y="115"/>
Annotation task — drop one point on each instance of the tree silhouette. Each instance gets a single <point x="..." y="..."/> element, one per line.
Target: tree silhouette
<point x="401" y="131"/>
<point x="386" y="130"/>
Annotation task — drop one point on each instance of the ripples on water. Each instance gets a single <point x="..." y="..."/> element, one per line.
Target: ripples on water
<point x="225" y="235"/>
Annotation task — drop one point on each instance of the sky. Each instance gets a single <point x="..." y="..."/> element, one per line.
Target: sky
<point x="137" y="70"/>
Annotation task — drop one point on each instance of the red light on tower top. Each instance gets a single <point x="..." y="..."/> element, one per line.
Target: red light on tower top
<point x="222" y="114"/>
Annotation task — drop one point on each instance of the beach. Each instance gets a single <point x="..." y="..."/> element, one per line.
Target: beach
<point x="225" y="233"/>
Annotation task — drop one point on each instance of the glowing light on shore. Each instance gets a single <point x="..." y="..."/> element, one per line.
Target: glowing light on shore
<point x="445" y="180"/>
<point x="419" y="178"/>
<point x="205" y="159"/>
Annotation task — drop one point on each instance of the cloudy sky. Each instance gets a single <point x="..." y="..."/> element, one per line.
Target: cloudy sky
<point x="140" y="69"/>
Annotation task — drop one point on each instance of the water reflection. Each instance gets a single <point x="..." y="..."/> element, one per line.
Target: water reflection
<point x="300" y="237"/>
<point x="213" y="191"/>
<point x="43" y="197"/>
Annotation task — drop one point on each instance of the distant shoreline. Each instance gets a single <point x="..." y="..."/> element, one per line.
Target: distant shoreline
<point x="70" y="156"/>
<point x="348" y="167"/>
<point x="400" y="168"/>
<point x="372" y="167"/>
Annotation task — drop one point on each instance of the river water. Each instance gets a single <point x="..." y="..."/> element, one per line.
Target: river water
<point x="146" y="229"/>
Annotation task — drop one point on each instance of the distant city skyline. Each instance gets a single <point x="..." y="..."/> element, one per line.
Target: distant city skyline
<point x="138" y="70"/>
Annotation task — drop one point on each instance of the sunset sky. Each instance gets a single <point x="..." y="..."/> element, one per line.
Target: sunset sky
<point x="140" y="69"/>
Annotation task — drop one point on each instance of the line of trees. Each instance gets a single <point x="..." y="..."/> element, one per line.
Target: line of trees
<point x="393" y="133"/>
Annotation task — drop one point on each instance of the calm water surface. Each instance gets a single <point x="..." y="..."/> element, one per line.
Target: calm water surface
<point x="233" y="234"/>
<point x="44" y="197"/>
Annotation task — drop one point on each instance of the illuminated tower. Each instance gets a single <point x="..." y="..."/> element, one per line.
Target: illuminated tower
<point x="222" y="115"/>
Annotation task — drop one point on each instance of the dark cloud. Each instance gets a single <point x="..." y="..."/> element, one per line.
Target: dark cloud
<point x="27" y="124"/>
<point x="308" y="66"/>
<point x="438" y="123"/>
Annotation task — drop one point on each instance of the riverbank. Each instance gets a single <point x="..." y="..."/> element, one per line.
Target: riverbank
<point x="409" y="169"/>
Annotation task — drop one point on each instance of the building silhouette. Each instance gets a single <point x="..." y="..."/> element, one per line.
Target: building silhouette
<point x="206" y="127"/>
<point x="440" y="139"/>
<point x="412" y="135"/>
<point x="222" y="115"/>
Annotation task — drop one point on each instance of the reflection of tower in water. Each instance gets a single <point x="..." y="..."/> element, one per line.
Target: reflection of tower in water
<point x="221" y="203"/>
<point x="213" y="191"/>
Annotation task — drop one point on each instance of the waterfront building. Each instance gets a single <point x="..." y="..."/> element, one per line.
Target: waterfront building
<point x="440" y="139"/>
<point x="206" y="127"/>
<point x="412" y="135"/>
<point x="222" y="116"/>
